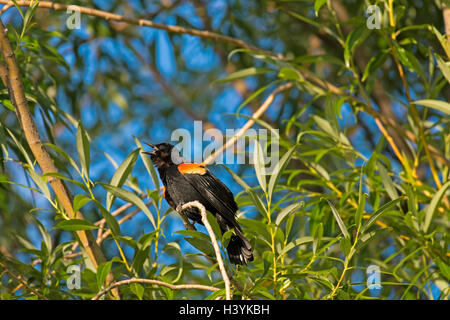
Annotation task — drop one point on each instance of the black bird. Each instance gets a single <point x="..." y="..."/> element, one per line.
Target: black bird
<point x="186" y="182"/>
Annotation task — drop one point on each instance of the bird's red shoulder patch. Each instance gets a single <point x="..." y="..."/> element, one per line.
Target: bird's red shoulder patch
<point x="191" y="168"/>
<point x="164" y="192"/>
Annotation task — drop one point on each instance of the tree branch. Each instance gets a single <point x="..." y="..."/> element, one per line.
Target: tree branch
<point x="201" y="208"/>
<point x="17" y="95"/>
<point x="142" y="22"/>
<point x="249" y="123"/>
<point x="154" y="282"/>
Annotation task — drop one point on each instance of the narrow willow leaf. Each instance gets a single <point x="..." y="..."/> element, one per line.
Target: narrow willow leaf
<point x="20" y="147"/>
<point x="442" y="39"/>
<point x="287" y="211"/>
<point x="103" y="270"/>
<point x="435" y="104"/>
<point x="374" y="63"/>
<point x="244" y="73"/>
<point x="62" y="153"/>
<point x="289" y="73"/>
<point x="361" y="200"/>
<point x="259" y="164"/>
<point x="130" y="197"/>
<point x="148" y="165"/>
<point x="317" y="5"/>
<point x="339" y="221"/>
<point x="40" y="182"/>
<point x="318" y="233"/>
<point x="387" y="182"/>
<point x="83" y="148"/>
<point x="75" y="225"/>
<point x="433" y="206"/>
<point x="256" y="200"/>
<point x="121" y="175"/>
<point x="79" y="201"/>
<point x="110" y="220"/>
<point x="383" y="209"/>
<point x="354" y="39"/>
<point x="277" y="171"/>
<point x="444" y="67"/>
<point x="214" y="225"/>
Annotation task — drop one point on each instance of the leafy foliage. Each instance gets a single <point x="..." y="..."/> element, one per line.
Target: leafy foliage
<point x="363" y="176"/>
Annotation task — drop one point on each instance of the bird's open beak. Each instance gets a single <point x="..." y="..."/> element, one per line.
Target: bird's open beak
<point x="152" y="146"/>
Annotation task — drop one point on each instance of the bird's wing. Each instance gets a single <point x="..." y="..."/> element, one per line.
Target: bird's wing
<point x="211" y="188"/>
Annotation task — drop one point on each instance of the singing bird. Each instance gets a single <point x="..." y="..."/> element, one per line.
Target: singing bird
<point x="186" y="182"/>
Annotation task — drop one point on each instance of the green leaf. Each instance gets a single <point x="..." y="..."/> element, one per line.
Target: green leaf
<point x="79" y="201"/>
<point x="288" y="73"/>
<point x="138" y="289"/>
<point x="404" y="57"/>
<point x="442" y="39"/>
<point x="318" y="233"/>
<point x="214" y="225"/>
<point x="148" y="165"/>
<point x="354" y="39"/>
<point x="83" y="148"/>
<point x="244" y="73"/>
<point x="130" y="197"/>
<point x="121" y="175"/>
<point x="255" y="198"/>
<point x="278" y="170"/>
<point x="339" y="221"/>
<point x="40" y="182"/>
<point x="259" y="164"/>
<point x="387" y="182"/>
<point x="75" y="225"/>
<point x="102" y="272"/>
<point x="287" y="211"/>
<point x="110" y="220"/>
<point x="374" y="63"/>
<point x="383" y="209"/>
<point x="431" y="208"/>
<point x="435" y="104"/>
<point x="345" y="245"/>
<point x="226" y="237"/>
<point x="317" y="5"/>
<point x="62" y="153"/>
<point x="204" y="246"/>
<point x="195" y="234"/>
<point x="444" y="67"/>
<point x="361" y="200"/>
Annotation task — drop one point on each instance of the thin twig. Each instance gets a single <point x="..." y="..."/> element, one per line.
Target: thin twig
<point x="249" y="123"/>
<point x="22" y="282"/>
<point x="201" y="208"/>
<point x="154" y="282"/>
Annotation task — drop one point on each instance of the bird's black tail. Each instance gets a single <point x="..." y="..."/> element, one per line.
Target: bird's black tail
<point x="239" y="248"/>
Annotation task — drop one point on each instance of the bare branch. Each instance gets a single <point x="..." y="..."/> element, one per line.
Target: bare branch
<point x="201" y="208"/>
<point x="154" y="282"/>
<point x="249" y="123"/>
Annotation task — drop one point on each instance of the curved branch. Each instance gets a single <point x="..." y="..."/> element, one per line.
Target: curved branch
<point x="223" y="271"/>
<point x="154" y="282"/>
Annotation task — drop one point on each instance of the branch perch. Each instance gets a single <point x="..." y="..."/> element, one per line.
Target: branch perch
<point x="201" y="208"/>
<point x="154" y="282"/>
